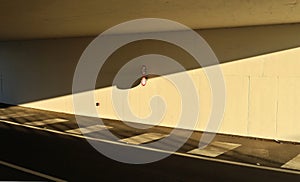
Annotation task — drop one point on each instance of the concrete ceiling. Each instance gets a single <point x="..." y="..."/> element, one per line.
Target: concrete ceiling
<point x="32" y="19"/>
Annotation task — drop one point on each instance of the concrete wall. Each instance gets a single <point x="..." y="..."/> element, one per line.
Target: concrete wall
<point x="260" y="67"/>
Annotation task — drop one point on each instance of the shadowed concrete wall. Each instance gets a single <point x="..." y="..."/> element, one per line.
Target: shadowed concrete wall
<point x="260" y="67"/>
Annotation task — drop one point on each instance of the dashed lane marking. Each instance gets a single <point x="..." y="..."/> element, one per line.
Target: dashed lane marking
<point x="143" y="138"/>
<point x="46" y="122"/>
<point x="30" y="171"/>
<point x="88" y="129"/>
<point x="293" y="164"/>
<point x="215" y="149"/>
<point x="15" y="115"/>
<point x="153" y="149"/>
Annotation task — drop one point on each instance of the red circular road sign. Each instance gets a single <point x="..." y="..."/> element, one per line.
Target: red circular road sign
<point x="143" y="81"/>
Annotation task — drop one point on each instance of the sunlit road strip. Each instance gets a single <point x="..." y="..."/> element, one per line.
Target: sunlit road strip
<point x="293" y="164"/>
<point x="31" y="171"/>
<point x="88" y="129"/>
<point x="155" y="150"/>
<point x="215" y="149"/>
<point x="15" y="115"/>
<point x="45" y="122"/>
<point x="143" y="138"/>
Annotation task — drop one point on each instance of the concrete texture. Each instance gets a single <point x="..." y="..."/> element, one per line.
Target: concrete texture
<point x="47" y="19"/>
<point x="260" y="67"/>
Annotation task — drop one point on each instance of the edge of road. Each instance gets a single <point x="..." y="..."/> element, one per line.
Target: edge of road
<point x="153" y="149"/>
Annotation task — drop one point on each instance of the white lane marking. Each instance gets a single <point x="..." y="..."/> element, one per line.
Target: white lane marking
<point x="15" y="115"/>
<point x="143" y="138"/>
<point x="45" y="122"/>
<point x="293" y="164"/>
<point x="88" y="129"/>
<point x="31" y="171"/>
<point x="215" y="149"/>
<point x="153" y="149"/>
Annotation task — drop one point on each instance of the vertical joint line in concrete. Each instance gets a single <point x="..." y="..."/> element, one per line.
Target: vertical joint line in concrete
<point x="277" y="103"/>
<point x="263" y="68"/>
<point x="248" y="114"/>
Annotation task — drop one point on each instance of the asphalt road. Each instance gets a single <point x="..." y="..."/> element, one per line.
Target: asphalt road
<point x="73" y="159"/>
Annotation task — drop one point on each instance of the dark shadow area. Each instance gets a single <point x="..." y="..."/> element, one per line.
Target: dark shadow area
<point x="138" y="48"/>
<point x="2" y="105"/>
<point x="35" y="70"/>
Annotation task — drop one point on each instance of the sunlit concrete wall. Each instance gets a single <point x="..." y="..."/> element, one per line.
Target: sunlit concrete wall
<point x="260" y="67"/>
<point x="262" y="97"/>
<point x="263" y="93"/>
